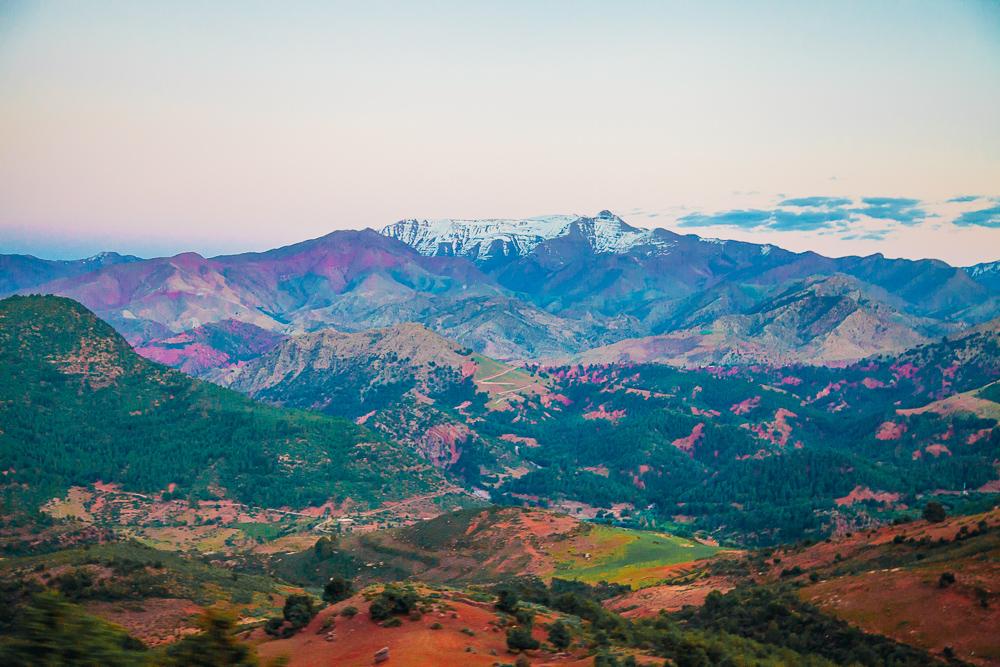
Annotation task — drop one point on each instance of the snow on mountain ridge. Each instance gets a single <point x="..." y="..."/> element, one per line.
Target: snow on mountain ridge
<point x="488" y="238"/>
<point x="477" y="237"/>
<point x="983" y="269"/>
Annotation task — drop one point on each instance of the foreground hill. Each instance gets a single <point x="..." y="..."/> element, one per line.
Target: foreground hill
<point x="447" y="627"/>
<point x="79" y="406"/>
<point x="548" y="567"/>
<point x="154" y="594"/>
<point x="532" y="598"/>
<point x="932" y="585"/>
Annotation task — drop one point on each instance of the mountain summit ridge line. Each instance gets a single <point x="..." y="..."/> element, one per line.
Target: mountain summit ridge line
<point x="539" y="288"/>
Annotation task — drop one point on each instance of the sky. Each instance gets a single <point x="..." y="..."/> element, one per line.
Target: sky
<point x="842" y="127"/>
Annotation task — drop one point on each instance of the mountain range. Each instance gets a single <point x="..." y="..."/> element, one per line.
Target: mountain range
<point x="551" y="288"/>
<point x="19" y="271"/>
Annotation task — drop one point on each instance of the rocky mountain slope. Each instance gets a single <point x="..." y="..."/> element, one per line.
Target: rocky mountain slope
<point x="356" y="373"/>
<point x="643" y="440"/>
<point x="915" y="378"/>
<point x="822" y="321"/>
<point x="604" y="261"/>
<point x="353" y="373"/>
<point x="347" y="280"/>
<point x="206" y="349"/>
<point x="405" y="382"/>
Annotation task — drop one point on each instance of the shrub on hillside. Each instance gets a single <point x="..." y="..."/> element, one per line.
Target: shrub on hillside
<point x="391" y="601"/>
<point x="216" y="644"/>
<point x="559" y="635"/>
<point x="296" y="614"/>
<point x="934" y="512"/>
<point x="337" y="589"/>
<point x="520" y="639"/>
<point x="507" y="600"/>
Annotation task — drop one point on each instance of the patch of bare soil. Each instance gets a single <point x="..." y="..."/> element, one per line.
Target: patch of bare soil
<point x="858" y="546"/>
<point x="910" y="606"/>
<point x="889" y="581"/>
<point x="458" y="633"/>
<point x="154" y="621"/>
<point x="650" y="601"/>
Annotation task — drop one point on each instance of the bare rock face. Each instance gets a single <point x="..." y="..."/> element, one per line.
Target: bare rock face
<point x="831" y="320"/>
<point x="407" y="354"/>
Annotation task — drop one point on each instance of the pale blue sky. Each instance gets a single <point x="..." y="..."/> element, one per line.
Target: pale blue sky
<point x="155" y="128"/>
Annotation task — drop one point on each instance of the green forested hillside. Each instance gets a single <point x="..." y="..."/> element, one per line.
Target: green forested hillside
<point x="761" y="461"/>
<point x="77" y="406"/>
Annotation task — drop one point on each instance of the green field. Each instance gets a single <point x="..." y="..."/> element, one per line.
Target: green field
<point x="499" y="380"/>
<point x="265" y="531"/>
<point x="628" y="557"/>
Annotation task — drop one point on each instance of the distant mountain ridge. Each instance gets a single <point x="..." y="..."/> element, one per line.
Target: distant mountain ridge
<point x="21" y="271"/>
<point x="828" y="320"/>
<point x="986" y="273"/>
<point x="539" y="288"/>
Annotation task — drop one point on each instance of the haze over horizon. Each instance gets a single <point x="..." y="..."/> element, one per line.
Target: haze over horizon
<point x="839" y="128"/>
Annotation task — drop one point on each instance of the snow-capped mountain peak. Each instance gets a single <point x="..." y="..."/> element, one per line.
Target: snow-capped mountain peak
<point x="983" y="269"/>
<point x="487" y="239"/>
<point x="102" y="259"/>
<point x="987" y="273"/>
